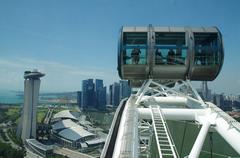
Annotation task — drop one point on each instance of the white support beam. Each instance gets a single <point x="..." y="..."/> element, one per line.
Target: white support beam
<point x="174" y="113"/>
<point x="197" y="147"/>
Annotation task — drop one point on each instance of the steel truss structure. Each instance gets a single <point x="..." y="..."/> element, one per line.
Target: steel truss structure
<point x="144" y="120"/>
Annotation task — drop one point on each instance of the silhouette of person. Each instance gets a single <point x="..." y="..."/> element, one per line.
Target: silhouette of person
<point x="179" y="58"/>
<point x="171" y="57"/>
<point x="135" y="55"/>
<point x="158" y="57"/>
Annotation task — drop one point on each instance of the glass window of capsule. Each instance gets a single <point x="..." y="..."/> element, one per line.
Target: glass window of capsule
<point x="206" y="49"/>
<point x="170" y="48"/>
<point x="134" y="48"/>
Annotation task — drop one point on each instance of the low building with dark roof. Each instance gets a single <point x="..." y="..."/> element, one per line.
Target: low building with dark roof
<point x="69" y="133"/>
<point x="38" y="148"/>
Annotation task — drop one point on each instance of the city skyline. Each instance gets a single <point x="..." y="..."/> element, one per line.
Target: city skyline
<point x="64" y="40"/>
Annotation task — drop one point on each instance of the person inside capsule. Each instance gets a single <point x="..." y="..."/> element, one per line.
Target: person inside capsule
<point x="135" y="55"/>
<point x="171" y="57"/>
<point x="158" y="57"/>
<point x="179" y="59"/>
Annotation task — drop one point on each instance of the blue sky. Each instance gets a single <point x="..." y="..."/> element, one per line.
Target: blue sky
<point x="71" y="40"/>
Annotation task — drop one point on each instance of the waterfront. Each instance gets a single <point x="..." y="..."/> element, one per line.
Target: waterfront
<point x="10" y="97"/>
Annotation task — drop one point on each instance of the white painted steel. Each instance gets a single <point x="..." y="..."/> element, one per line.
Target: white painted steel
<point x="197" y="147"/>
<point x="205" y="114"/>
<point x="230" y="134"/>
<point x="174" y="113"/>
<point x="142" y="91"/>
<point x="170" y="100"/>
<point x="227" y="127"/>
<point x="127" y="138"/>
<point x="156" y="111"/>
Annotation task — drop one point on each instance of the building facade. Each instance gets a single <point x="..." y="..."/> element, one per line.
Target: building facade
<point x="125" y="90"/>
<point x="93" y="94"/>
<point x="116" y="94"/>
<point x="110" y="102"/>
<point x="28" y="125"/>
<point x="101" y="98"/>
<point x="88" y="94"/>
<point x="101" y="95"/>
<point x="79" y="98"/>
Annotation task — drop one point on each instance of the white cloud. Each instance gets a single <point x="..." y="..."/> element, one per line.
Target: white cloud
<point x="59" y="77"/>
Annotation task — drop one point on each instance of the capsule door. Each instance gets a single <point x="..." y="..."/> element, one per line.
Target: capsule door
<point x="170" y="54"/>
<point x="208" y="56"/>
<point x="133" y="55"/>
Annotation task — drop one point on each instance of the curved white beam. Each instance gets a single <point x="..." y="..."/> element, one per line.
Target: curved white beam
<point x="197" y="147"/>
<point x="170" y="100"/>
<point x="174" y="113"/>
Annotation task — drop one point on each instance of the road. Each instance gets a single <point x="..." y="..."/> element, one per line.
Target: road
<point x="48" y="116"/>
<point x="70" y="153"/>
<point x="14" y="145"/>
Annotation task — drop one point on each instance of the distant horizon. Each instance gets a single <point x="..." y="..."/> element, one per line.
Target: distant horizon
<point x="195" y="84"/>
<point x="73" y="40"/>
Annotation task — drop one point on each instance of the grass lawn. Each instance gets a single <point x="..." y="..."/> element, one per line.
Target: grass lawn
<point x="13" y="111"/>
<point x="41" y="112"/>
<point x="10" y="114"/>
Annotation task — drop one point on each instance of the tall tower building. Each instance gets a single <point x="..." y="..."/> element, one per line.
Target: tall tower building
<point x="88" y="94"/>
<point x="101" y="98"/>
<point x="125" y="90"/>
<point x="206" y="92"/>
<point x="98" y="84"/>
<point x="100" y="94"/>
<point x="110" y="95"/>
<point x="31" y="93"/>
<point x="116" y="94"/>
<point x="79" y="98"/>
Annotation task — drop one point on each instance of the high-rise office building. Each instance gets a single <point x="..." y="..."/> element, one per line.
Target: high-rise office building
<point x="205" y="92"/>
<point x="31" y="93"/>
<point x="125" y="90"/>
<point x="100" y="94"/>
<point x="79" y="98"/>
<point x="98" y="84"/>
<point x="118" y="91"/>
<point x="218" y="100"/>
<point x="101" y="98"/>
<point x="116" y="94"/>
<point x="110" y="95"/>
<point x="88" y="94"/>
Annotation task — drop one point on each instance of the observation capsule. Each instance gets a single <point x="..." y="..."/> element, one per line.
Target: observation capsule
<point x="170" y="53"/>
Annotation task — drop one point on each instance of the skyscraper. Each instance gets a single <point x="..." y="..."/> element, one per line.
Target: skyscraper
<point x="116" y="94"/>
<point x="100" y="94"/>
<point x="118" y="91"/>
<point x="79" y="98"/>
<point x="98" y="84"/>
<point x="110" y="95"/>
<point x="88" y="94"/>
<point x="31" y="93"/>
<point x="101" y="98"/>
<point x="125" y="90"/>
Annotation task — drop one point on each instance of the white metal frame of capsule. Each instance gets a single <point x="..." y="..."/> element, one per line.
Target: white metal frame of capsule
<point x="195" y="52"/>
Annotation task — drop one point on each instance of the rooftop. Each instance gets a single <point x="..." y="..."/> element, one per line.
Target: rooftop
<point x="64" y="114"/>
<point x="75" y="133"/>
<point x="39" y="145"/>
<point x="63" y="124"/>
